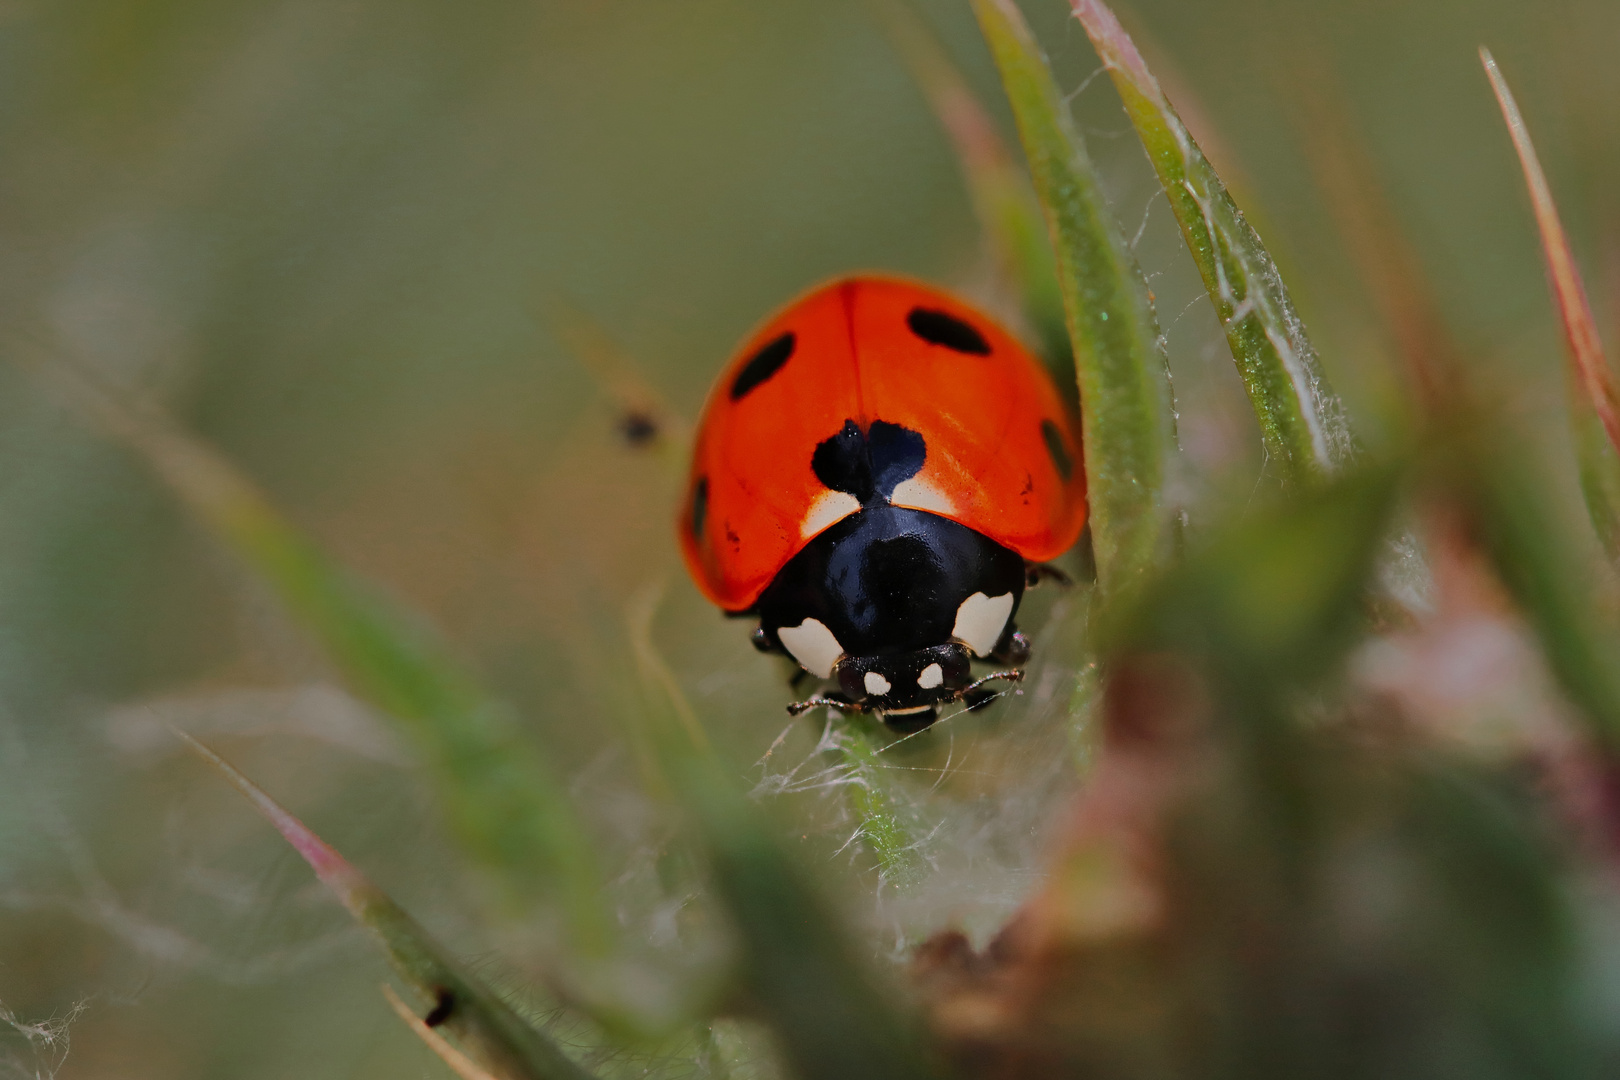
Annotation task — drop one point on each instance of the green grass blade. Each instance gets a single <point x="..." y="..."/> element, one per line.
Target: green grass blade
<point x="497" y="1037"/>
<point x="884" y="824"/>
<point x="1600" y="473"/>
<point x="1594" y="402"/>
<point x="501" y="796"/>
<point x="1119" y="354"/>
<point x="463" y="1066"/>
<point x="804" y="976"/>
<point x="1304" y="425"/>
<point x="997" y="184"/>
<point x="800" y="973"/>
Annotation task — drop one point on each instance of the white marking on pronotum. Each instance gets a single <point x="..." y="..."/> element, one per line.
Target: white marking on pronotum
<point x="980" y="621"/>
<point x="813" y="646"/>
<point x="918" y="494"/>
<point x="876" y="685"/>
<point x="829" y="509"/>
<point x="931" y="676"/>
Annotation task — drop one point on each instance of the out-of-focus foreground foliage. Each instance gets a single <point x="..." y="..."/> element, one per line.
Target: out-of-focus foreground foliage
<point x="410" y="305"/>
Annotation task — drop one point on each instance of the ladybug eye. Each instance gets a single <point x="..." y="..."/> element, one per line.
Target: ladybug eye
<point x="763" y="364"/>
<point x="939" y="328"/>
<point x="1055" y="447"/>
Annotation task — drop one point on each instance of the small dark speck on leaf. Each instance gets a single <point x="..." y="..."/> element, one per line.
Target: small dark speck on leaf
<point x="441" y="1009"/>
<point x="638" y="428"/>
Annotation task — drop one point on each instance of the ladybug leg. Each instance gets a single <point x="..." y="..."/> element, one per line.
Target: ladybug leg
<point x="1013" y="648"/>
<point x="1035" y="573"/>
<point x="911" y="722"/>
<point x="797" y="676"/>
<point x="834" y="700"/>
<point x="978" y="699"/>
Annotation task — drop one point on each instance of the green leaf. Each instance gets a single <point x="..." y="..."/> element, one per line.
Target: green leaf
<point x="1304" y="425"/>
<point x="1005" y="204"/>
<point x="1272" y="596"/>
<point x="501" y="796"/>
<point x="1119" y="355"/>
<point x="495" y="1036"/>
<point x="888" y="825"/>
<point x="1538" y="567"/>
<point x="1594" y="402"/>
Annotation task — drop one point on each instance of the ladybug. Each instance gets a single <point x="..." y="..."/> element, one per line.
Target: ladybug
<point x="877" y="475"/>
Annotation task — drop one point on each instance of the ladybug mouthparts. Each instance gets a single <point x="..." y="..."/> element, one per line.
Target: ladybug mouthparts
<point x="906" y="691"/>
<point x="908" y="680"/>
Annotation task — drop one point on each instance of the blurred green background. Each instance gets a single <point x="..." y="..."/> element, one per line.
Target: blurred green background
<point x="334" y="238"/>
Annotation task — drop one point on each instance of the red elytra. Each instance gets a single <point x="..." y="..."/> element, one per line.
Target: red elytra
<point x="1002" y="450"/>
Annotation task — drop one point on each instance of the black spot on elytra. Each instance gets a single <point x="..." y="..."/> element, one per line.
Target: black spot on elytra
<point x="869" y="464"/>
<point x="700" y="506"/>
<point x="898" y="454"/>
<point x="763" y="364"/>
<point x="940" y="328"/>
<point x="441" y="1010"/>
<point x="842" y="462"/>
<point x="1055" y="447"/>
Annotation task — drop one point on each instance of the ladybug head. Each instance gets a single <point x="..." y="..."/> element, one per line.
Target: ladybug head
<point x="893" y="605"/>
<point x="906" y="681"/>
<point x="906" y="689"/>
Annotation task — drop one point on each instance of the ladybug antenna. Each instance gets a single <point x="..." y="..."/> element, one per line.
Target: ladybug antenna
<point x="799" y="708"/>
<point x="1014" y="675"/>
